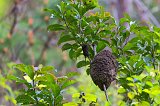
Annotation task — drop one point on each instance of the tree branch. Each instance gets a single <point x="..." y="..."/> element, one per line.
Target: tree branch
<point x="144" y="10"/>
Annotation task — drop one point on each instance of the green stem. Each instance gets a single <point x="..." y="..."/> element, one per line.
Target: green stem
<point x="153" y="54"/>
<point x="35" y="92"/>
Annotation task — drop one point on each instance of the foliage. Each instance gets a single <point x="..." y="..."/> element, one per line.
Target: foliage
<point x="83" y="99"/>
<point x="135" y="47"/>
<point x="86" y="85"/>
<point x="83" y="33"/>
<point x="8" y="94"/>
<point x="42" y="86"/>
<point x="30" y="35"/>
<point x="80" y="29"/>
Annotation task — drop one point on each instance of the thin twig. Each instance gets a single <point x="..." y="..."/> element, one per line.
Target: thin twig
<point x="94" y="49"/>
<point x="14" y="11"/>
<point x="105" y="91"/>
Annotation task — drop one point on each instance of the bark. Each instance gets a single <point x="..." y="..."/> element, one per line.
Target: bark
<point x="123" y="6"/>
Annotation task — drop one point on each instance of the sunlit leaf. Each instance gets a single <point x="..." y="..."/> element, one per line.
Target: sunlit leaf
<point x="28" y="69"/>
<point x="41" y="86"/>
<point x="131" y="84"/>
<point x="130" y="79"/>
<point x="121" y="90"/>
<point x="76" y="95"/>
<point x="70" y="104"/>
<point x="121" y="103"/>
<point x="27" y="78"/>
<point x="157" y="99"/>
<point x="149" y="83"/>
<point x="144" y="103"/>
<point x="147" y="91"/>
<point x="131" y="95"/>
<point x="90" y="97"/>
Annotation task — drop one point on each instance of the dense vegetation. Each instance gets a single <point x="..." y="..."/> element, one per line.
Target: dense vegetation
<point x="83" y="33"/>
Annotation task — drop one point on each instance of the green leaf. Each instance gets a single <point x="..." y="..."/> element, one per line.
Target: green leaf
<point x="90" y="4"/>
<point x="78" y="53"/>
<point x="47" y="68"/>
<point x="55" y="89"/>
<point x="75" y="95"/>
<point x="55" y="27"/>
<point x="155" y="90"/>
<point x="70" y="104"/>
<point x="41" y="78"/>
<point x="27" y="78"/>
<point x="53" y="12"/>
<point x="157" y="33"/>
<point x="134" y="104"/>
<point x="88" y="71"/>
<point x="101" y="45"/>
<point x="66" y="46"/>
<point x="121" y="90"/>
<point x="62" y="79"/>
<point x="72" y="74"/>
<point x="130" y="46"/>
<point x="68" y="83"/>
<point x="149" y="83"/>
<point x="90" y="97"/>
<point x="72" y="54"/>
<point x="65" y="38"/>
<point x="50" y="10"/>
<point x="131" y="95"/>
<point x="50" y="78"/>
<point x="131" y="84"/>
<point x="11" y="65"/>
<point x="25" y="99"/>
<point x="58" y="99"/>
<point x="82" y="63"/>
<point x="17" y="79"/>
<point x="130" y="79"/>
<point x="157" y="99"/>
<point x="28" y="69"/>
<point x="121" y="103"/>
<point x="144" y="103"/>
<point x="123" y="20"/>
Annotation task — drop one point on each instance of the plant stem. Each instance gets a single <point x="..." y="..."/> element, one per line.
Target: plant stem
<point x="35" y="92"/>
<point x="105" y="91"/>
<point x="153" y="54"/>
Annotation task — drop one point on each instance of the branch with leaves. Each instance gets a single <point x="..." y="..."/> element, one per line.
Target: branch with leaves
<point x="100" y="29"/>
<point x="137" y="76"/>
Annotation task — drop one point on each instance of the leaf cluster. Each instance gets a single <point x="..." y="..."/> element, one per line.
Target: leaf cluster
<point x="43" y="88"/>
<point x="134" y="46"/>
